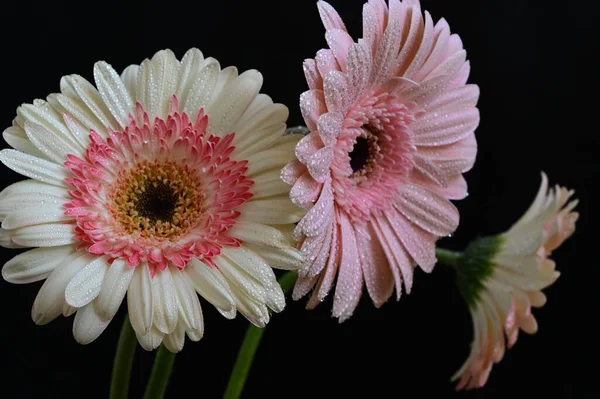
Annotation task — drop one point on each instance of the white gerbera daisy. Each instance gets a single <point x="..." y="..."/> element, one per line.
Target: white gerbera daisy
<point x="156" y="183"/>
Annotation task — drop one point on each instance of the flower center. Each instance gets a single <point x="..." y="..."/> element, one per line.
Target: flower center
<point x="157" y="200"/>
<point x="363" y="153"/>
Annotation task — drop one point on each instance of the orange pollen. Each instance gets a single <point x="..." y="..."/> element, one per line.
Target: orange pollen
<point x="160" y="200"/>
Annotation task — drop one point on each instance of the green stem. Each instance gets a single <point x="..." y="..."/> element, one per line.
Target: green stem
<point x="123" y="360"/>
<point x="249" y="347"/>
<point x="161" y="371"/>
<point x="448" y="257"/>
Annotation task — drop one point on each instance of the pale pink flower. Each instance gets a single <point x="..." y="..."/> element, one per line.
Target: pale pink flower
<point x="155" y="185"/>
<point x="392" y="125"/>
<point x="519" y="271"/>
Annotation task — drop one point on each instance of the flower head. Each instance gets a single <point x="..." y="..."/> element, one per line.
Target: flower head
<point x="503" y="286"/>
<point x="155" y="184"/>
<point x="392" y="125"/>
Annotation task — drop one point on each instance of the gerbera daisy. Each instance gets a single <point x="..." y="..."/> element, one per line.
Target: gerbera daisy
<point x="157" y="183"/>
<point x="392" y="125"/>
<point x="502" y="286"/>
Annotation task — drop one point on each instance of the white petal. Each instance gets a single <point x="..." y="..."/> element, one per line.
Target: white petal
<point x="235" y="98"/>
<point x="250" y="263"/>
<point x="258" y="140"/>
<point x="85" y="98"/>
<point x="268" y="184"/>
<point x="84" y="287"/>
<point x="88" y="325"/>
<point x="189" y="305"/>
<point x="114" y="93"/>
<point x="270" y="211"/>
<point x="241" y="282"/>
<point x="50" y="299"/>
<point x="129" y="78"/>
<point x="46" y="212"/>
<point x="202" y="89"/>
<point x="279" y="258"/>
<point x="151" y="340"/>
<point x="191" y="64"/>
<point x="54" y="146"/>
<point x="34" y="167"/>
<point x="42" y="114"/>
<point x="140" y="302"/>
<point x="212" y="286"/>
<point x="113" y="289"/>
<point x="15" y="137"/>
<point x="226" y="76"/>
<point x="30" y="194"/>
<point x="45" y="235"/>
<point x="258" y="233"/>
<point x="165" y="302"/>
<point x="174" y="341"/>
<point x="7" y="242"/>
<point x="166" y="68"/>
<point x="271" y="159"/>
<point x="35" y="264"/>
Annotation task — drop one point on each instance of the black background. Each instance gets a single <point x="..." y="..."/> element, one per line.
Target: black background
<point x="535" y="62"/>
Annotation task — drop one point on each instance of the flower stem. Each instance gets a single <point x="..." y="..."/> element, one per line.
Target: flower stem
<point x="161" y="371"/>
<point x="123" y="360"/>
<point x="448" y="257"/>
<point x="249" y="347"/>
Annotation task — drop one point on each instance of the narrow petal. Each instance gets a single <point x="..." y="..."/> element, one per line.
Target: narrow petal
<point x="288" y="258"/>
<point x="165" y="302"/>
<point x="331" y="19"/>
<point x="376" y="269"/>
<point x="15" y="137"/>
<point x="258" y="233"/>
<point x="129" y="78"/>
<point x="85" y="286"/>
<point x="34" y="167"/>
<point x="140" y="301"/>
<point x="35" y="265"/>
<point x="150" y="340"/>
<point x="175" y="340"/>
<point x="428" y="210"/>
<point x="191" y="64"/>
<point x="45" y="235"/>
<point x="270" y="211"/>
<point x="113" y="289"/>
<point x="49" y="212"/>
<point x="190" y="314"/>
<point x="320" y="216"/>
<point x="339" y="42"/>
<point x="88" y="325"/>
<point x="202" y="87"/>
<point x="212" y="286"/>
<point x="114" y="93"/>
<point x="312" y="105"/>
<point x="54" y="147"/>
<point x="50" y="299"/>
<point x="350" y="278"/>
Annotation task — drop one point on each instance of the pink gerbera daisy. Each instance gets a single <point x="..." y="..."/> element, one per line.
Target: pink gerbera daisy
<point x="392" y="123"/>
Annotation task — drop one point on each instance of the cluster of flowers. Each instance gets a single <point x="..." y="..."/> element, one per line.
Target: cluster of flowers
<point x="176" y="178"/>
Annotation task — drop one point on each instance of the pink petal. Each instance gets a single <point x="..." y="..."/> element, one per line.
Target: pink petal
<point x="462" y="76"/>
<point x="454" y="99"/>
<point x="318" y="164"/>
<point x="326" y="62"/>
<point x="391" y="258"/>
<point x="291" y="172"/>
<point x="387" y="52"/>
<point x="455" y="189"/>
<point x="424" y="48"/>
<point x="307" y="146"/>
<point x="359" y="66"/>
<point x="339" y="42"/>
<point x="316" y="261"/>
<point x="376" y="269"/>
<point x="319" y="217"/>
<point x="312" y="75"/>
<point x="430" y="170"/>
<point x="303" y="287"/>
<point x="329" y="126"/>
<point x="350" y="280"/>
<point x="419" y="243"/>
<point x="432" y="130"/>
<point x="442" y="35"/>
<point x="312" y="105"/>
<point x="326" y="280"/>
<point x="305" y="191"/>
<point x="337" y="91"/>
<point x="374" y="16"/>
<point x="331" y="19"/>
<point x="428" y="210"/>
<point x="403" y="261"/>
<point x="410" y="44"/>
